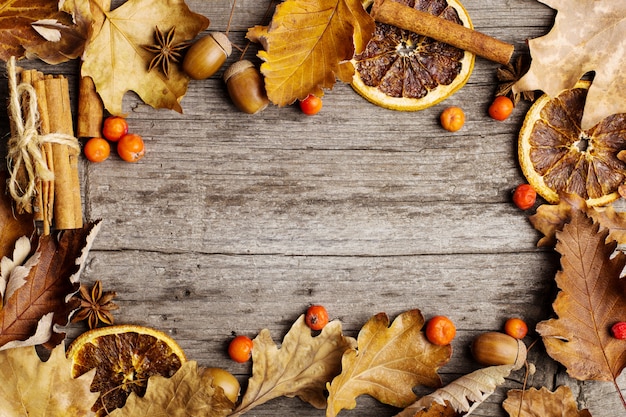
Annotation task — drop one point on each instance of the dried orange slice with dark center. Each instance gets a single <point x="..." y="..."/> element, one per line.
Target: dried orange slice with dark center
<point x="557" y="156"/>
<point x="124" y="356"/>
<point x="402" y="70"/>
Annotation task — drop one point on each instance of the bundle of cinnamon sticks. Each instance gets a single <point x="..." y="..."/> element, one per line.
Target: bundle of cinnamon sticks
<point x="57" y="203"/>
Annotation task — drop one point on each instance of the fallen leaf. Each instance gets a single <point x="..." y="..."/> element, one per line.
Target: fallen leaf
<point x="309" y="44"/>
<point x="117" y="62"/>
<point x="550" y="218"/>
<point x="34" y="388"/>
<point x="184" y="394"/>
<point x="591" y="299"/>
<point x="465" y="393"/>
<point x="588" y="37"/>
<point x="12" y="226"/>
<point x="388" y="362"/>
<point x="543" y="403"/>
<point x="51" y="281"/>
<point x="19" y="38"/>
<point x="436" y="410"/>
<point x="300" y="367"/>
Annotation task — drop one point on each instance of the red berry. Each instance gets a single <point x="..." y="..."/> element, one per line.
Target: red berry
<point x="618" y="330"/>
<point x="524" y="196"/>
<point x="316" y="317"/>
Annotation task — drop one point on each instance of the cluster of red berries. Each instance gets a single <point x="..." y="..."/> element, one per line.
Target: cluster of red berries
<point x="130" y="146"/>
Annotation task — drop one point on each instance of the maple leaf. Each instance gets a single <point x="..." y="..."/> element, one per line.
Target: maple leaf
<point x="465" y="393"/>
<point x="20" y="21"/>
<point x="309" y="44"/>
<point x="39" y="389"/>
<point x="588" y="37"/>
<point x="115" y="57"/>
<point x="39" y="304"/>
<point x="591" y="299"/>
<point x="12" y="226"/>
<point x="300" y="367"/>
<point x="186" y="393"/>
<point x="387" y="363"/>
<point x="543" y="403"/>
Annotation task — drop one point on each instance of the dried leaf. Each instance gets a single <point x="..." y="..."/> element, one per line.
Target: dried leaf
<point x="19" y="38"/>
<point x="8" y="265"/>
<point x="308" y="45"/>
<point x="184" y="394"/>
<point x="121" y="36"/>
<point x="12" y="226"/>
<point x="50" y="283"/>
<point x="465" y="393"/>
<point x="387" y="363"/>
<point x="543" y="403"/>
<point x="300" y="367"/>
<point x="591" y="300"/>
<point x="40" y="389"/>
<point x="588" y="37"/>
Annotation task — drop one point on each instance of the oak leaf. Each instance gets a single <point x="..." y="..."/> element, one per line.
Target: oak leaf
<point x="183" y="394"/>
<point x="19" y="36"/>
<point x="41" y="303"/>
<point x="388" y="362"/>
<point x="300" y="367"/>
<point x="465" y="393"/>
<point x="309" y="44"/>
<point x="34" y="388"/>
<point x="549" y="218"/>
<point x="115" y="57"/>
<point x="12" y="226"/>
<point x="588" y="37"/>
<point x="543" y="403"/>
<point x="591" y="299"/>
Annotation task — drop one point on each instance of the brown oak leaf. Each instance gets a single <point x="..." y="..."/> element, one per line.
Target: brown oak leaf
<point x="300" y="367"/>
<point x="124" y="33"/>
<point x="388" y="362"/>
<point x="34" y="388"/>
<point x="591" y="299"/>
<point x="12" y="226"/>
<point x="50" y="281"/>
<point x="309" y="44"/>
<point x="543" y="403"/>
<point x="588" y="37"/>
<point x="184" y="394"/>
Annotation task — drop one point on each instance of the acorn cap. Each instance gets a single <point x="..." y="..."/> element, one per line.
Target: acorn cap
<point x="223" y="41"/>
<point x="236" y="68"/>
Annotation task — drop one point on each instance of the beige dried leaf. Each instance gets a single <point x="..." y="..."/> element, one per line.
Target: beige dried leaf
<point x="300" y="367"/>
<point x="388" y="362"/>
<point x="543" y="403"/>
<point x="588" y="37"/>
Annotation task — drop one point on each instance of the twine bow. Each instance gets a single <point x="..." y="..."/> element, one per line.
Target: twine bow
<point x="24" y="146"/>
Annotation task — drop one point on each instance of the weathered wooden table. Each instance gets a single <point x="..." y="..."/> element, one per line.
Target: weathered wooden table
<point x="233" y="223"/>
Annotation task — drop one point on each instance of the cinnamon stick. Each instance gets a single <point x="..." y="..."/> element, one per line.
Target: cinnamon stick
<point x="45" y="198"/>
<point x="405" y="17"/>
<point x="90" y="109"/>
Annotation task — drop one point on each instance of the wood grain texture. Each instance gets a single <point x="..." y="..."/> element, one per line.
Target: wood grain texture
<point x="233" y="223"/>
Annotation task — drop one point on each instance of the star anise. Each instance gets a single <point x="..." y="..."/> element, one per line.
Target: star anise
<point x="508" y="75"/>
<point x="95" y="305"/>
<point x="167" y="52"/>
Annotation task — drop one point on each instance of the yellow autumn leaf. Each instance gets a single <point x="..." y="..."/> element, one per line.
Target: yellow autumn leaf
<point x="309" y="44"/>
<point x="34" y="388"/>
<point x="388" y="363"/>
<point x="116" y="60"/>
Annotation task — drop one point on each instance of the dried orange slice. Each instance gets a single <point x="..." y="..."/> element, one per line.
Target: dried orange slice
<point x="401" y="70"/>
<point x="557" y="156"/>
<point x="124" y="356"/>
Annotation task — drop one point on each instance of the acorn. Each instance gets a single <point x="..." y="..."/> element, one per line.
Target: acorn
<point x="245" y="87"/>
<point x="207" y="55"/>
<point x="495" y="348"/>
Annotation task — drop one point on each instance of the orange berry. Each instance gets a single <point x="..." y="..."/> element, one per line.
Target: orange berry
<point x="452" y="118"/>
<point x="501" y="108"/>
<point x="114" y="127"/>
<point x="516" y="327"/>
<point x="97" y="149"/>
<point x="524" y="196"/>
<point x="240" y="348"/>
<point x="131" y="147"/>
<point x="316" y="317"/>
<point x="440" y="330"/>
